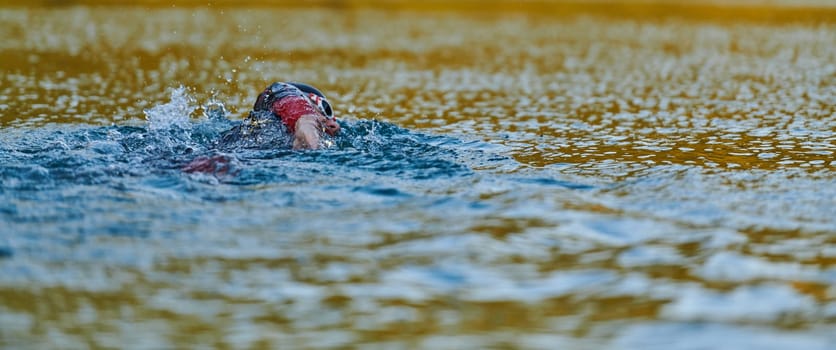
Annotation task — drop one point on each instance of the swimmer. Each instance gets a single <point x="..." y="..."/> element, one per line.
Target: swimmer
<point x="297" y="109"/>
<point x="300" y="109"/>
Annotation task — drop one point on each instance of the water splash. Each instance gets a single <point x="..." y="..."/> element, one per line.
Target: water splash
<point x="215" y="109"/>
<point x="175" y="113"/>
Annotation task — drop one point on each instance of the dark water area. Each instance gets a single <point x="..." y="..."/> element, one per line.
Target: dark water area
<point x="504" y="178"/>
<point x="113" y="167"/>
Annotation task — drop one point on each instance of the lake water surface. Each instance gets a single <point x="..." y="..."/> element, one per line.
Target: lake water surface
<point x="585" y="177"/>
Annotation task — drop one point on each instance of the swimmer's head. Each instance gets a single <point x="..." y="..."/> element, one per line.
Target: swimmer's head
<point x="317" y="100"/>
<point x="278" y="90"/>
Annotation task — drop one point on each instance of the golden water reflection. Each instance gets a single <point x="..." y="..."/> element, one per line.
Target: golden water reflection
<point x="569" y="89"/>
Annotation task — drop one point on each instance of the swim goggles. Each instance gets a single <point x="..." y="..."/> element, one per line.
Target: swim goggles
<point x="323" y="105"/>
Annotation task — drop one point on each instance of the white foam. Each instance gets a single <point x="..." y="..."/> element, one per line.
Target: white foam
<point x="650" y="255"/>
<point x="760" y="303"/>
<point x="730" y="266"/>
<point x="690" y="336"/>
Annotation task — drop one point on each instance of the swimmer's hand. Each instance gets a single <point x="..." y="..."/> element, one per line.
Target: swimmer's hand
<point x="310" y="129"/>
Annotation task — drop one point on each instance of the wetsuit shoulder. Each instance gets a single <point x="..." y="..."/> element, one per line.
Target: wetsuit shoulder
<point x="259" y="127"/>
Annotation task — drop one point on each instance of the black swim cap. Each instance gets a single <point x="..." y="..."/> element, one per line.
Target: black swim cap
<point x="307" y="88"/>
<point x="322" y="102"/>
<point x="279" y="90"/>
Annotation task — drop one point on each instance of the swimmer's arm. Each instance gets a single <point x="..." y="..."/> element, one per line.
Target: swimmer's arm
<point x="308" y="132"/>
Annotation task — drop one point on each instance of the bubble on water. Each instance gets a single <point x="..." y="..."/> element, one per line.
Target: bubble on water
<point x="174" y="114"/>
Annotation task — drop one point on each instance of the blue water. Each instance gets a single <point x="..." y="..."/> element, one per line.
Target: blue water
<point x="390" y="216"/>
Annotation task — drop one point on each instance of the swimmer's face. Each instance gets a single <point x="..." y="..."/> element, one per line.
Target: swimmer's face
<point x="331" y="127"/>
